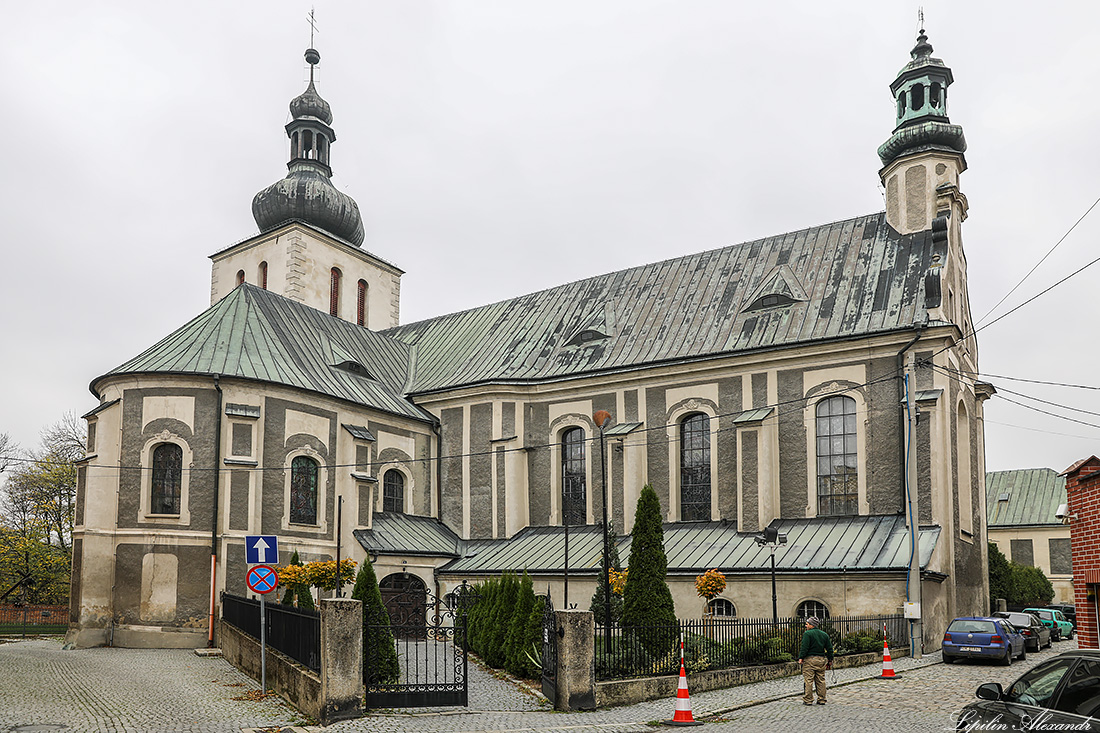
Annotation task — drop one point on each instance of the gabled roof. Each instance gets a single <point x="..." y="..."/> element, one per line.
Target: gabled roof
<point x="823" y="544"/>
<point x="1024" y="497"/>
<point x="408" y="534"/>
<point x="858" y="277"/>
<point x="255" y="334"/>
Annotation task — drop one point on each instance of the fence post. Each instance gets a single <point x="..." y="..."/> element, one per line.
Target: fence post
<point x="576" y="660"/>
<point x="341" y="659"/>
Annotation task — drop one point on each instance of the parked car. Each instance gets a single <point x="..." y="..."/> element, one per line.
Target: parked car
<point x="1068" y="610"/>
<point x="1055" y="621"/>
<point x="1062" y="693"/>
<point x="979" y="637"/>
<point x="1036" y="636"/>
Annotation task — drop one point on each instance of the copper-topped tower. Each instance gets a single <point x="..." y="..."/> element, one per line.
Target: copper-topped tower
<point x="307" y="194"/>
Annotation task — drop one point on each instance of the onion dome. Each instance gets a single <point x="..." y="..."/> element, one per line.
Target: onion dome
<point x="307" y="194"/>
<point x="920" y="92"/>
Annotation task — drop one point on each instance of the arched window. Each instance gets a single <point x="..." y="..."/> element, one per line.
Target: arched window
<point x="303" y="490"/>
<point x="263" y="275"/>
<point x="722" y="607"/>
<point x="334" y="293"/>
<point x="307" y="144"/>
<point x="806" y="609"/>
<point x="573" y="494"/>
<point x="240" y="277"/>
<point x="695" y="468"/>
<point x="916" y="97"/>
<point x="361" y="304"/>
<point x="965" y="485"/>
<point x="294" y="149"/>
<point x="167" y="479"/>
<point x="837" y="459"/>
<point x="934" y="95"/>
<point x="901" y="105"/>
<point x="393" y="491"/>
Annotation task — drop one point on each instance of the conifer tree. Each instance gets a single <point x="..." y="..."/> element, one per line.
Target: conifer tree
<point x="380" y="665"/>
<point x="288" y="597"/>
<point x="647" y="601"/>
<point x="516" y="642"/>
<point x="533" y="643"/>
<point x="495" y="652"/>
<point x="596" y="606"/>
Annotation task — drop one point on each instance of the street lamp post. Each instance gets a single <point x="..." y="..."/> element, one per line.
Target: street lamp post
<point x="772" y="538"/>
<point x="602" y="419"/>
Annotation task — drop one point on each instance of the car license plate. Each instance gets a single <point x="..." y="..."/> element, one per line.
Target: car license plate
<point x="970" y="649"/>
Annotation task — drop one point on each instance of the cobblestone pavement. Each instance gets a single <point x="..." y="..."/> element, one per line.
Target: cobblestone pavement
<point x="168" y="690"/>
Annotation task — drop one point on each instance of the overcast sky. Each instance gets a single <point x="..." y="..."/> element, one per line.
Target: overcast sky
<point x="499" y="147"/>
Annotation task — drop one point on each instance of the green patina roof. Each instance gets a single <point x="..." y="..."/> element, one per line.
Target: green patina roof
<point x="818" y="544"/>
<point x="408" y="534"/>
<point x="1033" y="495"/>
<point x="851" y="278"/>
<point x="255" y="334"/>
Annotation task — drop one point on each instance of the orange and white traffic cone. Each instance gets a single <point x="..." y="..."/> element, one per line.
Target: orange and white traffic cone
<point x="887" y="663"/>
<point x="683" y="701"/>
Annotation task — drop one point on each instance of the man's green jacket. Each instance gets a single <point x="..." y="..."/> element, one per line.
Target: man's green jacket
<point x="816" y="643"/>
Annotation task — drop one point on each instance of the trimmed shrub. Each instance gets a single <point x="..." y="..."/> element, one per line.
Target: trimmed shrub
<point x="382" y="667"/>
<point x="647" y="601"/>
<point x="516" y="643"/>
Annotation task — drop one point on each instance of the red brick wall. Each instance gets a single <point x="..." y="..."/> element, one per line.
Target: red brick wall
<point x="1083" y="497"/>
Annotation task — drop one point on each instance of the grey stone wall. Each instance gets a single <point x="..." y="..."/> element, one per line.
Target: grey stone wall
<point x="657" y="449"/>
<point x="481" y="472"/>
<point x="1023" y="552"/>
<point x="451" y="428"/>
<point x="729" y="403"/>
<point x="793" y="439"/>
<point x="538" y="463"/>
<point x="750" y="482"/>
<point x="277" y="446"/>
<point x="883" y="449"/>
<point x="1060" y="559"/>
<point x="238" y="500"/>
<point x="192" y="584"/>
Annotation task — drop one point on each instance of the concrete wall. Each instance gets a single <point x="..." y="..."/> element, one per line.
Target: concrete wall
<point x="1040" y="538"/>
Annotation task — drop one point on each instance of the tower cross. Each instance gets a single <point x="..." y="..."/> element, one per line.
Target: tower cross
<point x="312" y="27"/>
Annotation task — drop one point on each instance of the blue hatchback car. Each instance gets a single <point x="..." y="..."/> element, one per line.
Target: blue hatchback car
<point x="979" y="637"/>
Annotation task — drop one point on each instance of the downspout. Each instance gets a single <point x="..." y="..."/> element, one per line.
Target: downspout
<point x="437" y="428"/>
<point x="214" y="512"/>
<point x="901" y="411"/>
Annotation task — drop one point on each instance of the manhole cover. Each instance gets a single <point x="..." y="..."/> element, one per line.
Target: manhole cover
<point x="40" y="728"/>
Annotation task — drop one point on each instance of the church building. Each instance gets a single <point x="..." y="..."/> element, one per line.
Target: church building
<point x="755" y="386"/>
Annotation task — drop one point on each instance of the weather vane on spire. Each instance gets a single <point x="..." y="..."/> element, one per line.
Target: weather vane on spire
<point x="312" y="57"/>
<point x="312" y="26"/>
<point x="920" y="18"/>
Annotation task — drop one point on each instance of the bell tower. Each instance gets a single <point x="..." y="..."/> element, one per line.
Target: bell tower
<point x="923" y="158"/>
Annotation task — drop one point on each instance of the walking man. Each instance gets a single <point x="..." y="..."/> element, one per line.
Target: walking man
<point x="815" y="656"/>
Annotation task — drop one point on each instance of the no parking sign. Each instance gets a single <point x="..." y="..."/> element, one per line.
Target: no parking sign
<point x="262" y="579"/>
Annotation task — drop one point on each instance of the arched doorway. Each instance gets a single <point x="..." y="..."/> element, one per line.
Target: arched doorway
<point x="405" y="597"/>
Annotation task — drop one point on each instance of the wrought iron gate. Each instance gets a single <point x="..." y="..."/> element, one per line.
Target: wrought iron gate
<point x="428" y="638"/>
<point x="549" y="651"/>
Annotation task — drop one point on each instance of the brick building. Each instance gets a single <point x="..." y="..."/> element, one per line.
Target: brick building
<point x="1083" y="499"/>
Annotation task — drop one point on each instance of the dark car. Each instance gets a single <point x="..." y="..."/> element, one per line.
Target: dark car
<point x="1036" y="636"/>
<point x="979" y="637"/>
<point x="1059" y="626"/>
<point x="1068" y="610"/>
<point x="1062" y="693"/>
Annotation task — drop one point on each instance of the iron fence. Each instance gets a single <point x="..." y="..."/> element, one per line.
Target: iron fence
<point x="31" y="620"/>
<point x="296" y="632"/>
<point x="723" y="643"/>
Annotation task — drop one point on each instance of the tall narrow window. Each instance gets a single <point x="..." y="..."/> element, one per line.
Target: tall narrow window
<point x="167" y="479"/>
<point x="916" y="97"/>
<point x="573" y="495"/>
<point x="263" y="275"/>
<point x="934" y="96"/>
<point x="695" y="468"/>
<point x="303" y="490"/>
<point x="334" y="293"/>
<point x="361" y="304"/>
<point x="837" y="460"/>
<point x="393" y="491"/>
<point x="240" y="277"/>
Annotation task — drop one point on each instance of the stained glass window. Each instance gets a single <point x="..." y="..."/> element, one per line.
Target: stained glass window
<point x="573" y="498"/>
<point x="167" y="479"/>
<point x="303" y="490"/>
<point x="837" y="460"/>
<point x="695" y="468"/>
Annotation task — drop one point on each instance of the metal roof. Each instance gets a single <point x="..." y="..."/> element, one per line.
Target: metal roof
<point x="407" y="534"/>
<point x="858" y="276"/>
<point x="255" y="334"/>
<point x="835" y="544"/>
<point x="1033" y="496"/>
<point x="359" y="432"/>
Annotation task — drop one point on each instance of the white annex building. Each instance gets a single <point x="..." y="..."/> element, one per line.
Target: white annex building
<point x="757" y="385"/>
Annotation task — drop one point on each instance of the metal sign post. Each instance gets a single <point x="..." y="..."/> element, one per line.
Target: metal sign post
<point x="263" y="579"/>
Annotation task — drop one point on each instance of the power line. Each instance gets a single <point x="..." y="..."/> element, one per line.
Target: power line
<point x="947" y="372"/>
<point x="1019" y="379"/>
<point x="1041" y="261"/>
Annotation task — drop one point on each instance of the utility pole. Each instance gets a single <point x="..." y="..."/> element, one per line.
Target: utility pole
<point x="913" y="582"/>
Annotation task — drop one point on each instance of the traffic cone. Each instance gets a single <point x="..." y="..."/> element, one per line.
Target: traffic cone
<point x="683" y="702"/>
<point x="887" y="663"/>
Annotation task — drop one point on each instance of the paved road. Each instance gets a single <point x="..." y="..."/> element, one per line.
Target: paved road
<point x="127" y="690"/>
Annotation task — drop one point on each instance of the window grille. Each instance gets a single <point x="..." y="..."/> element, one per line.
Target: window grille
<point x="695" y="468"/>
<point x="837" y="459"/>
<point x="393" y="491"/>
<point x="573" y="489"/>
<point x="303" y="490"/>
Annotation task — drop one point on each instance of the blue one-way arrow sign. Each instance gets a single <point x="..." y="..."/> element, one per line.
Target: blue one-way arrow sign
<point x="261" y="548"/>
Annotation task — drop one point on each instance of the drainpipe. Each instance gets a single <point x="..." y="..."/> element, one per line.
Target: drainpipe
<point x="437" y="428"/>
<point x="214" y="512"/>
<point x="901" y="410"/>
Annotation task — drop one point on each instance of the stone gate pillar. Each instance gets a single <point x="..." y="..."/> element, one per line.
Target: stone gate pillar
<point x="576" y="660"/>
